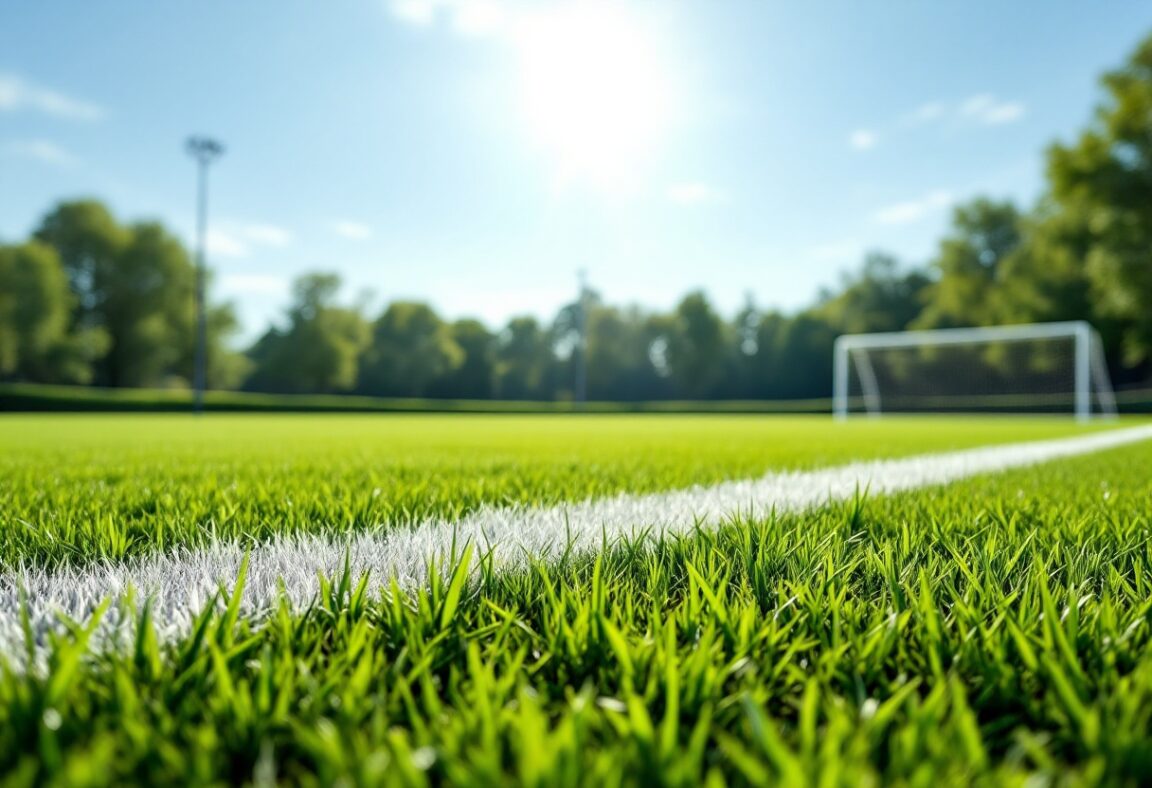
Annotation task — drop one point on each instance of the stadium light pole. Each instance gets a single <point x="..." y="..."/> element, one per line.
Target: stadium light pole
<point x="205" y="151"/>
<point x="582" y="326"/>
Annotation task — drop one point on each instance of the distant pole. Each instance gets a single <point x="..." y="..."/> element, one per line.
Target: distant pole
<point x="582" y="347"/>
<point x="205" y="151"/>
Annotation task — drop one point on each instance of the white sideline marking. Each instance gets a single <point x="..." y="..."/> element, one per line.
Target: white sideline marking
<point x="181" y="583"/>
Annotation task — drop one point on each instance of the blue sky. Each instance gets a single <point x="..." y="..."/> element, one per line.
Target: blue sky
<point x="477" y="153"/>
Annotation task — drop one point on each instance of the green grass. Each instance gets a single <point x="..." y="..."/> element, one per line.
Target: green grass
<point x="74" y="488"/>
<point x="992" y="632"/>
<point x="37" y="397"/>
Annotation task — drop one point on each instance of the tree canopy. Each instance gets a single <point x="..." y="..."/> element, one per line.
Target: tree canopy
<point x="112" y="302"/>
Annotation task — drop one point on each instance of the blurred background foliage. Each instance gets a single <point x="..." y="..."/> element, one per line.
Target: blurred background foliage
<point x="88" y="299"/>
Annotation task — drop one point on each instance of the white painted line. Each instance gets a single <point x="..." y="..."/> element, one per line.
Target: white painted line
<point x="181" y="583"/>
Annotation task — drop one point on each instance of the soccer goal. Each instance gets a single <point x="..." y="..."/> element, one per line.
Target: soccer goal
<point x="1038" y="367"/>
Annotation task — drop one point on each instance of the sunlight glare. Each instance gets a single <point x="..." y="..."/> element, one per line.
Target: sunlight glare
<point x="595" y="92"/>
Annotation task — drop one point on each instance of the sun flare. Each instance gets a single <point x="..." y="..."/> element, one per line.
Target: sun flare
<point x="594" y="91"/>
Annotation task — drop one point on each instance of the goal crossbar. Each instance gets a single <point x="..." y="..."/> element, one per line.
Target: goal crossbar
<point x="1090" y="371"/>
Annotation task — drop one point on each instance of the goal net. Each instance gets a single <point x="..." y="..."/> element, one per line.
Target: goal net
<point x="1039" y="367"/>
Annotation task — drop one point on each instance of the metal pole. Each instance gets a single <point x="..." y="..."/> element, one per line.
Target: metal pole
<point x="204" y="151"/>
<point x="869" y="387"/>
<point x="582" y="347"/>
<point x="1104" y="394"/>
<point x="200" y="373"/>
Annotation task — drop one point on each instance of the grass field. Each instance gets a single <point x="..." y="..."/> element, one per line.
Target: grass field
<point x="994" y="630"/>
<point x="80" y="487"/>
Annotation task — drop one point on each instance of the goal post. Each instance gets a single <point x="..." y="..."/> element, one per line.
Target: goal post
<point x="1029" y="367"/>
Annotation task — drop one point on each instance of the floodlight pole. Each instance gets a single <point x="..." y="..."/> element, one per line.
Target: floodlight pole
<point x="582" y="327"/>
<point x="204" y="150"/>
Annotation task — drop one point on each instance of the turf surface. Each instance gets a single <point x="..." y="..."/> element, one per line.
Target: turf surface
<point x="993" y="631"/>
<point x="75" y="488"/>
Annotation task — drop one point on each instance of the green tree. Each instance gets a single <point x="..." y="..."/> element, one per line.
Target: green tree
<point x="319" y="350"/>
<point x="474" y="377"/>
<point x="1045" y="278"/>
<point x="801" y="354"/>
<point x="36" y="341"/>
<point x="881" y="297"/>
<point x="146" y="306"/>
<point x="970" y="266"/>
<point x="759" y="352"/>
<point x="410" y="348"/>
<point x="134" y="285"/>
<point x="619" y="360"/>
<point x="1104" y="180"/>
<point x="741" y="382"/>
<point x="227" y="368"/>
<point x="89" y="241"/>
<point x="562" y="361"/>
<point x="523" y="360"/>
<point x="696" y="347"/>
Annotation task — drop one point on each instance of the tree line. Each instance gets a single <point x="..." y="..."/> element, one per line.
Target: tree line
<point x="89" y="300"/>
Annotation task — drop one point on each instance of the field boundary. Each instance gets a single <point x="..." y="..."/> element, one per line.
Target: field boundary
<point x="40" y="398"/>
<point x="43" y="398"/>
<point x="180" y="584"/>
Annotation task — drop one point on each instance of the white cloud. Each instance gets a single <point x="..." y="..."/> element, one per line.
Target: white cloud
<point x="466" y="17"/>
<point x="914" y="210"/>
<point x="43" y="151"/>
<point x="987" y="109"/>
<point x="18" y="95"/>
<point x="355" y="231"/>
<point x="694" y="193"/>
<point x="236" y="239"/>
<point x="863" y="139"/>
<point x="926" y="113"/>
<point x="225" y="244"/>
<point x="983" y="108"/>
<point x="266" y="234"/>
<point x="253" y="284"/>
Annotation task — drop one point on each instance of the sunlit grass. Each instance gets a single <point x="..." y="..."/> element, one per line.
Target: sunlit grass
<point x="73" y="488"/>
<point x="991" y="631"/>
